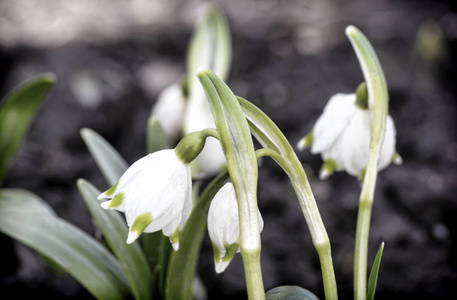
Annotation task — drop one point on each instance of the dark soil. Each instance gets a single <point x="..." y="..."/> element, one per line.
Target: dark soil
<point x="289" y="57"/>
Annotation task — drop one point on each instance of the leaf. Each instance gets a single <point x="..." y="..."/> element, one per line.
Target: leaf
<point x="372" y="281"/>
<point x="210" y="47"/>
<point x="183" y="263"/>
<point x="290" y="292"/>
<point x="108" y="160"/>
<point x="156" y="139"/>
<point x="28" y="219"/>
<point x="17" y="111"/>
<point x="115" y="231"/>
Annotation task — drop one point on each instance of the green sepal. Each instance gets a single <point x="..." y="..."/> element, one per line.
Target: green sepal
<point x="17" y="111"/>
<point x="373" y="279"/>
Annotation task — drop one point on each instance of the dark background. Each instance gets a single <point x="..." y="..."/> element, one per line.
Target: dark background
<point x="113" y="58"/>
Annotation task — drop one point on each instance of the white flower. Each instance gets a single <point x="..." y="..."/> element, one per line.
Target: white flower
<point x="169" y="110"/>
<point x="342" y="136"/>
<point x="224" y="226"/>
<point x="155" y="193"/>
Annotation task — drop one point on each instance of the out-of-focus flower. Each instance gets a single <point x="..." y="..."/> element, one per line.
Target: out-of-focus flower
<point x="224" y="226"/>
<point x="169" y="110"/>
<point x="342" y="136"/>
<point x="155" y="193"/>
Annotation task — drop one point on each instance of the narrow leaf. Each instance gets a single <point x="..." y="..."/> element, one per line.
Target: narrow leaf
<point x="108" y="160"/>
<point x="183" y="263"/>
<point x="17" y="111"/>
<point x="210" y="48"/>
<point x="372" y="281"/>
<point x="28" y="219"/>
<point x="115" y="231"/>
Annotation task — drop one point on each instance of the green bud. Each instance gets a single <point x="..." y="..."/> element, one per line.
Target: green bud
<point x="192" y="144"/>
<point x="361" y="93"/>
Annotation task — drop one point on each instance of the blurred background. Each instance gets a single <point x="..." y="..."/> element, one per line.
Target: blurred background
<point x="113" y="58"/>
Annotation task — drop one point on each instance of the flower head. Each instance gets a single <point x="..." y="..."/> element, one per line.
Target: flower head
<point x="155" y="194"/>
<point x="224" y="226"/>
<point x="342" y="136"/>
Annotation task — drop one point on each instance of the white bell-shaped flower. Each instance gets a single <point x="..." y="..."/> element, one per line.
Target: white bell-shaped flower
<point x="224" y="226"/>
<point x="342" y="136"/>
<point x="155" y="193"/>
<point x="169" y="110"/>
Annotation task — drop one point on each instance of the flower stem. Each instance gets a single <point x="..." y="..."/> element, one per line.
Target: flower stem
<point x="253" y="273"/>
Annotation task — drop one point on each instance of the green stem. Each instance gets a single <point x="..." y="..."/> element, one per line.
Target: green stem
<point x="361" y="249"/>
<point x="253" y="273"/>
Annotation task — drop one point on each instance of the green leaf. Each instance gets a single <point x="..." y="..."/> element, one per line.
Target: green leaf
<point x="115" y="231"/>
<point x="372" y="281"/>
<point x="17" y="111"/>
<point x="156" y="139"/>
<point x="183" y="263"/>
<point x="290" y="292"/>
<point x="28" y="219"/>
<point x="238" y="148"/>
<point x="270" y="137"/>
<point x="210" y="48"/>
<point x="108" y="160"/>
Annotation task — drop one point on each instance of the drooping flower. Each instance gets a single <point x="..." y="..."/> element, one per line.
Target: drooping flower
<point x="155" y="193"/>
<point x="342" y="136"/>
<point x="224" y="226"/>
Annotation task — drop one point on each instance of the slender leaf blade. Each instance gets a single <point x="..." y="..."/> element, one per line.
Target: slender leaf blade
<point x="115" y="231"/>
<point x="108" y="160"/>
<point x="28" y="219"/>
<point x="17" y="112"/>
<point x="373" y="279"/>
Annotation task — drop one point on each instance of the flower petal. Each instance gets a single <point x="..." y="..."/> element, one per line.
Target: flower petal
<point x="388" y="146"/>
<point x="354" y="143"/>
<point x="169" y="109"/>
<point x="336" y="116"/>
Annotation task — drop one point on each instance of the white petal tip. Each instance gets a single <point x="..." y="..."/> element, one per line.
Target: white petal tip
<point x="301" y="145"/>
<point x="324" y="174"/>
<point x="397" y="160"/>
<point x="106" y="204"/>
<point x="175" y="246"/>
<point x="350" y="29"/>
<point x="221" y="266"/>
<point x="102" y="196"/>
<point x="133" y="235"/>
<point x="201" y="70"/>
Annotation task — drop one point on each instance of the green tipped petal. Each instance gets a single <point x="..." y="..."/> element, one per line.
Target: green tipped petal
<point x="174" y="239"/>
<point x="328" y="168"/>
<point x="111" y="190"/>
<point x="306" y="141"/>
<point x="221" y="263"/>
<point x="140" y="224"/>
<point x="117" y="201"/>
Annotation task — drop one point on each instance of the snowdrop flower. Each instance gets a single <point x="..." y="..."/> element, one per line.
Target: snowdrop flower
<point x="169" y="110"/>
<point x="224" y="226"/>
<point x="342" y="136"/>
<point x="155" y="194"/>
